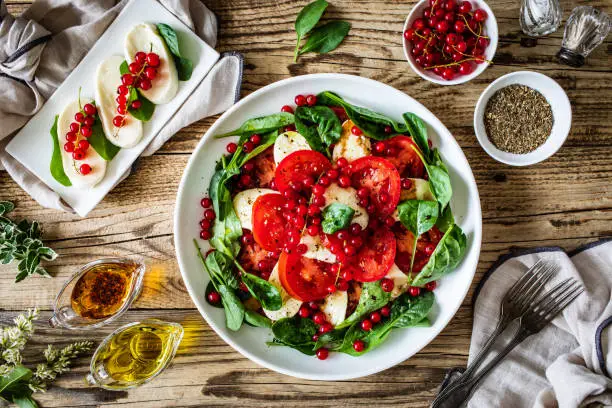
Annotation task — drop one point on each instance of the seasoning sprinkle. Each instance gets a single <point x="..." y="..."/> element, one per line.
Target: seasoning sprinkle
<point x="518" y="119"/>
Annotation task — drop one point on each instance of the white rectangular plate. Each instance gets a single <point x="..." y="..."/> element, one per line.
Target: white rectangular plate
<point x="33" y="145"/>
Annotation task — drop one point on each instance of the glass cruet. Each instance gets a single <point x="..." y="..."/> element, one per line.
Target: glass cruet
<point x="64" y="313"/>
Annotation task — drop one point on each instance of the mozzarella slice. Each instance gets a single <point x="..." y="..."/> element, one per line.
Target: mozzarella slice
<point x="287" y="143"/>
<point x="335" y="306"/>
<point x="347" y="196"/>
<point x="419" y="190"/>
<point x="400" y="280"/>
<point x="144" y="37"/>
<point x="108" y="78"/>
<point x="290" y="305"/>
<point x="349" y="146"/>
<point x="316" y="249"/>
<point x="243" y="204"/>
<point x="97" y="163"/>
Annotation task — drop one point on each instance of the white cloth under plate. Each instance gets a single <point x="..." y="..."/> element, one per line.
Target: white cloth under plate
<point x="569" y="363"/>
<point x="42" y="46"/>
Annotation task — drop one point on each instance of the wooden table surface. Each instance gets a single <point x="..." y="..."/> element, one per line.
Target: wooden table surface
<point x="565" y="201"/>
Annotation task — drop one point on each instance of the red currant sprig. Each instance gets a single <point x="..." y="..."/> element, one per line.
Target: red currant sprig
<point x="143" y="70"/>
<point x="76" y="137"/>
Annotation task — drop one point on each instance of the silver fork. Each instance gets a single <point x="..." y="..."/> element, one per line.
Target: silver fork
<point x="513" y="305"/>
<point x="537" y="316"/>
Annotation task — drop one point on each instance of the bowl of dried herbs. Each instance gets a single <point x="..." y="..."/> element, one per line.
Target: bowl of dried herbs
<point x="522" y="118"/>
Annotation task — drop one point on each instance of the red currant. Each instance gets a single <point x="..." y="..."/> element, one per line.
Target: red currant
<point x="465" y="7"/>
<point x="480" y="15"/>
<point x="385" y="311"/>
<point x="387" y="284"/>
<point x="322" y="353"/>
<point x="86" y="131"/>
<point x="414" y="291"/>
<point x="136" y="104"/>
<point x="304" y="311"/>
<point x="205" y="235"/>
<point x="213" y="297"/>
<point x="366" y="325"/>
<point x="287" y="109"/>
<point x="145" y="84"/>
<point x="300" y="100"/>
<point x="356" y="131"/>
<point x="358" y="345"/>
<point x="150" y="73"/>
<point x="140" y="57"/>
<point x="118" y="121"/>
<point x="78" y="154"/>
<point x="311" y="100"/>
<point x="231" y="147"/>
<point x="79" y="117"/>
<point x="85" y="169"/>
<point x="430" y="286"/>
<point x="153" y="59"/>
<point x="465" y="68"/>
<point x="69" y="147"/>
<point x="89" y="109"/>
<point x="134" y="67"/>
<point x="319" y="317"/>
<point x="127" y="79"/>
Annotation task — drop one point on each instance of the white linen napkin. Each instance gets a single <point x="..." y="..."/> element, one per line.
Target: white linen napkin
<point x="42" y="46"/>
<point x="569" y="363"/>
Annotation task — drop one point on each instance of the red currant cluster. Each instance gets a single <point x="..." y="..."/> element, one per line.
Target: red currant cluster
<point x="80" y="131"/>
<point x="448" y="38"/>
<point x="142" y="71"/>
<point x="206" y="222"/>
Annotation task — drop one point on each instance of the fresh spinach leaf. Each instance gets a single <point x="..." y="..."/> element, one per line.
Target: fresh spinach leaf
<point x="408" y="311"/>
<point x="145" y="112"/>
<point x="262" y="290"/>
<point x="227" y="228"/>
<point x="326" y="38"/>
<point x="418" y="131"/>
<point x="319" y="125"/>
<point x="263" y="124"/>
<point x="336" y="216"/>
<point x="446" y="219"/>
<point x="372" y="298"/>
<point x="294" y="331"/>
<point x="255" y="319"/>
<point x="418" y="216"/>
<point x="184" y="66"/>
<point x="445" y="258"/>
<point x="307" y="18"/>
<point x="101" y="144"/>
<point x="307" y="349"/>
<point x="267" y="140"/>
<point x="57" y="166"/>
<point x="234" y="309"/>
<point x="439" y="179"/>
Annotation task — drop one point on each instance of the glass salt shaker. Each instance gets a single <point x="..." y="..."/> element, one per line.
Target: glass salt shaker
<point x="586" y="28"/>
<point x="98" y="293"/>
<point x="540" y="17"/>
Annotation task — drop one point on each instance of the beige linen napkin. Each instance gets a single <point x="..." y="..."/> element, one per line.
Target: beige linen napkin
<point x="569" y="363"/>
<point x="42" y="46"/>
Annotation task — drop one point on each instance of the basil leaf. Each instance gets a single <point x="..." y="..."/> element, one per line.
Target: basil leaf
<point x="263" y="124"/>
<point x="418" y="216"/>
<point x="145" y="112"/>
<point x="184" y="66"/>
<point x="124" y="68"/>
<point x="101" y="144"/>
<point x="294" y="331"/>
<point x="372" y="298"/>
<point x="418" y="131"/>
<point x="319" y="125"/>
<point x="445" y="258"/>
<point x="57" y="167"/>
<point x="336" y="216"/>
<point x="262" y="290"/>
<point x="326" y="38"/>
<point x="255" y="319"/>
<point x="307" y="18"/>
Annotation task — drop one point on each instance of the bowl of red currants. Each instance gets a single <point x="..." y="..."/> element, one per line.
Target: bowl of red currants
<point x="450" y="42"/>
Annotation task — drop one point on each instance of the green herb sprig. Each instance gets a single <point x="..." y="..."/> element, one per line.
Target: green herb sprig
<point x="21" y="242"/>
<point x="322" y="39"/>
<point x="17" y="382"/>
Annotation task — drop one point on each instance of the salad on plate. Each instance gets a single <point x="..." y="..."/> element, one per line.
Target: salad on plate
<point x="330" y="224"/>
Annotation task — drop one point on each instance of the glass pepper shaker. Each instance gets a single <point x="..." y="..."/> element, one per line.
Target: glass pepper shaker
<point x="586" y="28"/>
<point x="540" y="17"/>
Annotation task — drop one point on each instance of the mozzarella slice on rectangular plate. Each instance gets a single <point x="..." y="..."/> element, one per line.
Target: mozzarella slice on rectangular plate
<point x="348" y="197"/>
<point x="349" y="146"/>
<point x="108" y="79"/>
<point x="243" y="204"/>
<point x="290" y="306"/>
<point x="287" y="143"/>
<point x="144" y="37"/>
<point x="71" y="167"/>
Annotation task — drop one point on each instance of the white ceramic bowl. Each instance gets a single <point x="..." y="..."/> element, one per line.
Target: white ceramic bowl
<point x="251" y="341"/>
<point x="490" y="30"/>
<point x="561" y="109"/>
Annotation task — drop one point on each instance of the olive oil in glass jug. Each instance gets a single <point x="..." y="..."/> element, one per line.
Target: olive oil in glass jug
<point x="134" y="354"/>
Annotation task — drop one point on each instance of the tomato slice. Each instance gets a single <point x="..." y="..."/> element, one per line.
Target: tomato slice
<point x="405" y="244"/>
<point x="404" y="157"/>
<point x="264" y="168"/>
<point x="381" y="179"/>
<point x="375" y="258"/>
<point x="304" y="278"/>
<point x="269" y="225"/>
<point x="298" y="166"/>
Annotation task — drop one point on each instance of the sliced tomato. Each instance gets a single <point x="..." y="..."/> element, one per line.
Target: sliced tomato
<point x="264" y="168"/>
<point x="304" y="278"/>
<point x="254" y="258"/>
<point x="404" y="157"/>
<point x="405" y="246"/>
<point x="269" y="225"/>
<point x="375" y="257"/>
<point x="298" y="166"/>
<point x="381" y="179"/>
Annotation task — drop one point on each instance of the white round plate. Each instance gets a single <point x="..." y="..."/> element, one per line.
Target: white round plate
<point x="251" y="341"/>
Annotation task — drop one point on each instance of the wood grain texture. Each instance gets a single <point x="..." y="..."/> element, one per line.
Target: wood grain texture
<point x="565" y="201"/>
